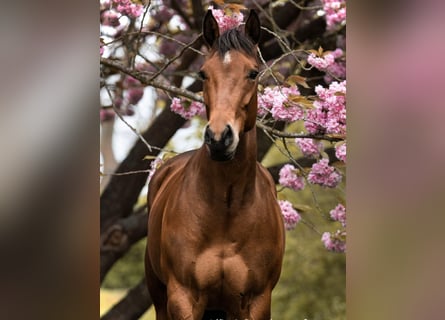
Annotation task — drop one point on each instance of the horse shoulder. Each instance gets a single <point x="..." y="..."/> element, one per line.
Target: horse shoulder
<point x="167" y="171"/>
<point x="158" y="192"/>
<point x="265" y="178"/>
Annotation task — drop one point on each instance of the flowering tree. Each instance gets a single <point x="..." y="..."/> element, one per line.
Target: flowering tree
<point x="301" y="115"/>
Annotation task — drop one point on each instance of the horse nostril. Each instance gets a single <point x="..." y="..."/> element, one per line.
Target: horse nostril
<point x="227" y="136"/>
<point x="208" y="135"/>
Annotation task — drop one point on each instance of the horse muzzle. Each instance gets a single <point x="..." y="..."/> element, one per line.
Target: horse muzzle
<point x="222" y="149"/>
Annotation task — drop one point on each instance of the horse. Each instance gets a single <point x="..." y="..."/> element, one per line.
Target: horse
<point x="215" y="231"/>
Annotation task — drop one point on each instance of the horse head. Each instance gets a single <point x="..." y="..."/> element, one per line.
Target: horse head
<point x="230" y="81"/>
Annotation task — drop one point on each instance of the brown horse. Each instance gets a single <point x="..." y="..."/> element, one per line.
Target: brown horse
<point x="216" y="235"/>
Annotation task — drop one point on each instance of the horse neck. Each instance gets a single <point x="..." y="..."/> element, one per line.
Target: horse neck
<point x="228" y="173"/>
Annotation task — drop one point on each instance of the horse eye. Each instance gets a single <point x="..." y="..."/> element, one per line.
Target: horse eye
<point x="202" y="75"/>
<point x="252" y="75"/>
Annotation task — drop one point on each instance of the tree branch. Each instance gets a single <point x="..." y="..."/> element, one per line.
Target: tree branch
<point x="198" y="13"/>
<point x="303" y="162"/>
<point x="118" y="238"/>
<point x="132" y="306"/>
<point x="122" y="192"/>
<point x="282" y="134"/>
<point x="151" y="82"/>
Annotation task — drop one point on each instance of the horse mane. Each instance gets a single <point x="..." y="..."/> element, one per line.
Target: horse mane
<point x="236" y="40"/>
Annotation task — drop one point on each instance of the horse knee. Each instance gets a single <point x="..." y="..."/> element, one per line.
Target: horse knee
<point x="181" y="306"/>
<point x="260" y="307"/>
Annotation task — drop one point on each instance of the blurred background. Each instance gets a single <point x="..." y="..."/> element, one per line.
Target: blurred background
<point x="150" y="54"/>
<point x="50" y="141"/>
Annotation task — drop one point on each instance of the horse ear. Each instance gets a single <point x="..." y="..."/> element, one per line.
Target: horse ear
<point x="253" y="27"/>
<point x="210" y="29"/>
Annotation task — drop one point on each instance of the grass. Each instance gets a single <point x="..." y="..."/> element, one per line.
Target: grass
<point x="109" y="297"/>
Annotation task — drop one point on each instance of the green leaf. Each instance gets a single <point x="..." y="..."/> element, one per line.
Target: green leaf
<point x="324" y="155"/>
<point x="339" y="143"/>
<point x="295" y="79"/>
<point x="303" y="208"/>
<point x="235" y="7"/>
<point x="149" y="157"/>
<point x="301" y="100"/>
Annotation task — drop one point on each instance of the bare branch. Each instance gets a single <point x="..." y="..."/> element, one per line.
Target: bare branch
<point x="118" y="238"/>
<point x="132" y="306"/>
<point x="146" y="80"/>
<point x="118" y="113"/>
<point x="174" y="58"/>
<point x="282" y="134"/>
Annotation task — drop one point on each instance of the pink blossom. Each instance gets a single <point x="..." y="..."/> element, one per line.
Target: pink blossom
<point x="110" y="18"/>
<point x="101" y="50"/>
<point x="290" y="215"/>
<point x="169" y="47"/>
<point x="134" y="95"/>
<point x="323" y="174"/>
<point x="226" y="22"/>
<point x="275" y="101"/>
<point x="187" y="109"/>
<point x="329" y="63"/>
<point x="321" y="63"/>
<point x="145" y="67"/>
<point x="339" y="214"/>
<point x="106" y="114"/>
<point x="287" y="113"/>
<point x="163" y="14"/>
<point x="130" y="82"/>
<point x="340" y="152"/>
<point x="129" y="110"/>
<point x="290" y="179"/>
<point x="335" y="12"/>
<point x="309" y="147"/>
<point x="154" y="165"/>
<point x="128" y="8"/>
<point x="118" y="101"/>
<point x="336" y="70"/>
<point x="329" y="112"/>
<point x="334" y="242"/>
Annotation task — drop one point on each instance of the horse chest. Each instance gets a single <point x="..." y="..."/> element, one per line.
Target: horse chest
<point x="220" y="271"/>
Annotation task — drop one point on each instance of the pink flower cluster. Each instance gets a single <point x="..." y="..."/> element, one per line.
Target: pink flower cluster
<point x="163" y="13"/>
<point x="334" y="242"/>
<point x="329" y="112"/>
<point x="339" y="214"/>
<point x="110" y="18"/>
<point x="134" y="90"/>
<point x="154" y="165"/>
<point x="128" y="8"/>
<point x="328" y="63"/>
<point x="290" y="215"/>
<point x="326" y="60"/>
<point x="106" y="114"/>
<point x="340" y="152"/>
<point x="169" y="47"/>
<point x="226" y="22"/>
<point x="289" y="178"/>
<point x="323" y="174"/>
<point x="276" y="101"/>
<point x="335" y="12"/>
<point x="309" y="147"/>
<point x="187" y="109"/>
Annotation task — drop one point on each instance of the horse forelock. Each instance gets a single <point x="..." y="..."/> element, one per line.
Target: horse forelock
<point x="233" y="39"/>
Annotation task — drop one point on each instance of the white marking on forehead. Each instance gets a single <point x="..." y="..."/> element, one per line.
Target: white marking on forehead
<point x="227" y="58"/>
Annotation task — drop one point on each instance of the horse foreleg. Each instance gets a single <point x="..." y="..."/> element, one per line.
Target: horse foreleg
<point x="183" y="305"/>
<point x="157" y="290"/>
<point x="260" y="307"/>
